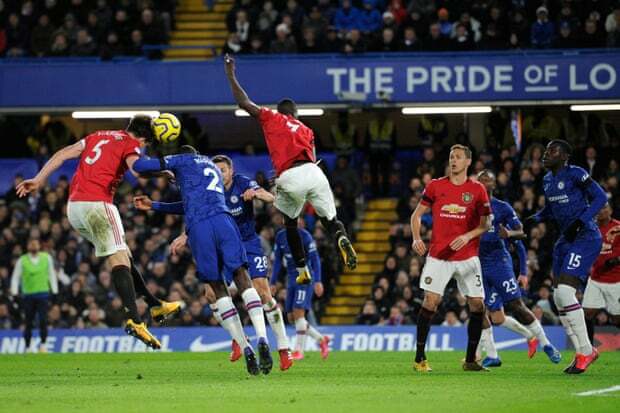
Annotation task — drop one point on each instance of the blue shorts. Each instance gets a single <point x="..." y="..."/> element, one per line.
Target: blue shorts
<point x="298" y="296"/>
<point x="500" y="284"/>
<point x="257" y="261"/>
<point x="576" y="258"/>
<point x="217" y="248"/>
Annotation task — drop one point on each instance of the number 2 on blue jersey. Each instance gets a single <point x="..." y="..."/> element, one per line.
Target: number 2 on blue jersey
<point x="216" y="180"/>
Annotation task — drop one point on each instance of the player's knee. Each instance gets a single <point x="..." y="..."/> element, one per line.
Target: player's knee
<point x="431" y="301"/>
<point x="564" y="295"/>
<point x="476" y="305"/>
<point x="497" y="318"/>
<point x="242" y="279"/>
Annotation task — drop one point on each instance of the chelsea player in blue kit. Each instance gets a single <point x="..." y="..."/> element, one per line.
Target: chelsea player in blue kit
<point x="299" y="296"/>
<point x="240" y="192"/>
<point x="215" y="242"/>
<point x="500" y="286"/>
<point x="572" y="200"/>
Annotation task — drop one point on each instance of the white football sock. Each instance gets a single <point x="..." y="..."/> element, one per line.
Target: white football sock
<point x="216" y="313"/>
<point x="300" y="328"/>
<point x="566" y="301"/>
<point x="569" y="332"/>
<point x="276" y="321"/>
<point x="255" y="310"/>
<point x="488" y="342"/>
<point x="313" y="332"/>
<point x="536" y="329"/>
<point x="231" y="321"/>
<point x="513" y="325"/>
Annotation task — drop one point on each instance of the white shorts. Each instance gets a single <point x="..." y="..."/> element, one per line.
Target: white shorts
<point x="303" y="183"/>
<point x="602" y="295"/>
<point x="436" y="275"/>
<point x="100" y="223"/>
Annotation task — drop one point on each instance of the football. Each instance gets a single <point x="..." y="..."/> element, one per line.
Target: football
<point x="166" y="128"/>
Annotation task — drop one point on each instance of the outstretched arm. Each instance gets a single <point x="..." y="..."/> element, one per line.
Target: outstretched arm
<point x="239" y="94"/>
<point x="34" y="184"/>
<point x="144" y="203"/>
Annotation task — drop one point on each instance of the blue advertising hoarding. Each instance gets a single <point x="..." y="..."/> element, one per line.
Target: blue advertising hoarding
<point x="204" y="339"/>
<point x="319" y="79"/>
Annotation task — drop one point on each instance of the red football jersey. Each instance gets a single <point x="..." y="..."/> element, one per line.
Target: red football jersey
<point x="456" y="209"/>
<point x="102" y="165"/>
<point x="611" y="249"/>
<point x="288" y="140"/>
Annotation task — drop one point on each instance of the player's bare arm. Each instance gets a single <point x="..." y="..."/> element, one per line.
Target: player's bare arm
<point x="460" y="241"/>
<point x="260" y="193"/>
<point x="416" y="221"/>
<point x="34" y="184"/>
<point x="516" y="233"/>
<point x="239" y="94"/>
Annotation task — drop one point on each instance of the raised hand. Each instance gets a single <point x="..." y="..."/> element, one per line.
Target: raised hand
<point x="27" y="186"/>
<point x="143" y="203"/>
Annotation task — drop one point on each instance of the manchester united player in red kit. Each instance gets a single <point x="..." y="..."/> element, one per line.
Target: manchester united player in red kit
<point x="603" y="289"/>
<point x="105" y="156"/>
<point x="300" y="180"/>
<point x="460" y="209"/>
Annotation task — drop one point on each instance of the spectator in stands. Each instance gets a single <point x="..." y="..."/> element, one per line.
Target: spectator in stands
<point x="387" y="42"/>
<point x="332" y="43"/>
<point x="316" y="22"/>
<point x="462" y="40"/>
<point x="284" y="42"/>
<point x="443" y="20"/>
<point x="370" y="18"/>
<point x="380" y="145"/>
<point x="266" y="20"/>
<point x="398" y="11"/>
<point x="242" y="26"/>
<point x="112" y="46"/>
<point x="296" y="12"/>
<point x="84" y="45"/>
<point x="436" y="42"/>
<point x="60" y="46"/>
<point x="121" y="26"/>
<point x="41" y="37"/>
<point x="368" y="316"/>
<point x="410" y="42"/>
<point x="233" y="44"/>
<point x="354" y="43"/>
<point x="347" y="17"/>
<point x="134" y="48"/>
<point x="257" y="46"/>
<point x="492" y="40"/>
<point x="592" y="36"/>
<point x="472" y="26"/>
<point x="542" y="33"/>
<point x="16" y="37"/>
<point x="451" y="320"/>
<point x="309" y="43"/>
<point x="566" y="38"/>
<point x="327" y="10"/>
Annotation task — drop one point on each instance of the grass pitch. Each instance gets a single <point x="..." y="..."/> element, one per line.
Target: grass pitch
<point x="346" y="382"/>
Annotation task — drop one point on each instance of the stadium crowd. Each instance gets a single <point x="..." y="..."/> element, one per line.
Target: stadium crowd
<point x="358" y="26"/>
<point x="83" y="28"/>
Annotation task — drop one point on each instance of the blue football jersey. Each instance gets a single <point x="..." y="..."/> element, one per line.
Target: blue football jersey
<point x="282" y="250"/>
<point x="242" y="211"/>
<point x="201" y="186"/>
<point x="566" y="196"/>
<point x="501" y="214"/>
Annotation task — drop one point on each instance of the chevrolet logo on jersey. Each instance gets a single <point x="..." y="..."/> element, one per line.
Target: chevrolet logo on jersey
<point x="454" y="209"/>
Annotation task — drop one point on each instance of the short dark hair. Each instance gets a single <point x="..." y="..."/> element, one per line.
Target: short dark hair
<point x="188" y="149"/>
<point x="223" y="159"/>
<point x="463" y="148"/>
<point x="565" y="146"/>
<point x="140" y="127"/>
<point x="287" y="106"/>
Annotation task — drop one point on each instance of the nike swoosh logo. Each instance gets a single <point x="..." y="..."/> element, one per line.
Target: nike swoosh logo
<point x="509" y="343"/>
<point x="198" y="346"/>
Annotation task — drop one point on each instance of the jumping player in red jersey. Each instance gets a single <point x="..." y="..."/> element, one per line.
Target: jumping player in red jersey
<point x="603" y="289"/>
<point x="291" y="148"/>
<point x="105" y="156"/>
<point x="461" y="214"/>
